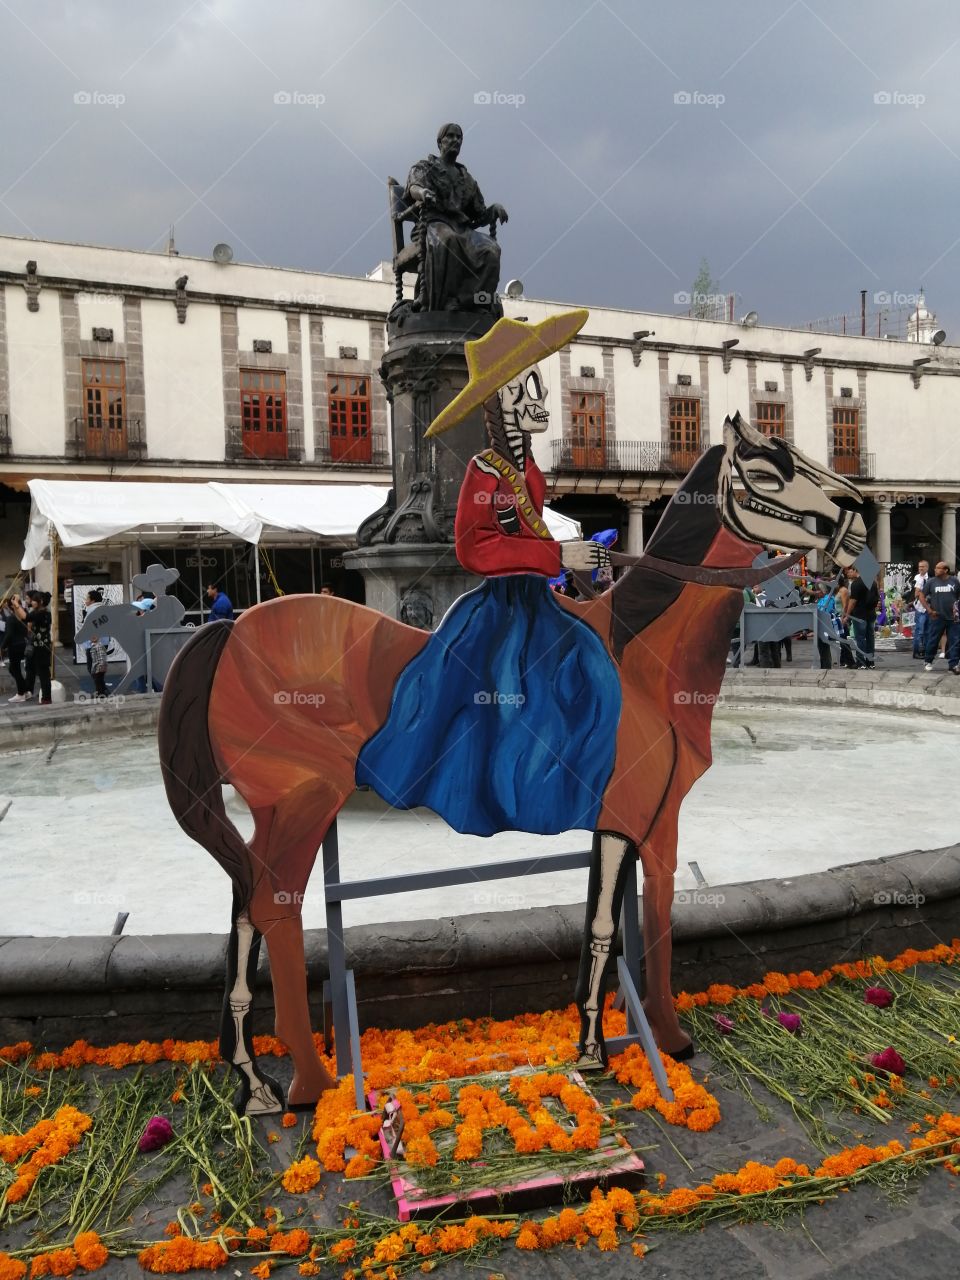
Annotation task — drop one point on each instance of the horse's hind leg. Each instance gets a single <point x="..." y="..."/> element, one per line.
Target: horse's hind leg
<point x="604" y="899"/>
<point x="259" y="1093"/>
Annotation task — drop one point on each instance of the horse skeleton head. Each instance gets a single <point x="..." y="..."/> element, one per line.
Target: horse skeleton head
<point x="783" y="488"/>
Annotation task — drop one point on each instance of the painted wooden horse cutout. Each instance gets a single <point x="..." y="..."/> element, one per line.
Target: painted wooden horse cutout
<point x="525" y="710"/>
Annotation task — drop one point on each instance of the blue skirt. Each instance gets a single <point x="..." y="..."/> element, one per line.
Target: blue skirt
<point x="505" y="721"/>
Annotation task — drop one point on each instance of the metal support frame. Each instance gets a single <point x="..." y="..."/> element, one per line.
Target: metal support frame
<point x="339" y="992"/>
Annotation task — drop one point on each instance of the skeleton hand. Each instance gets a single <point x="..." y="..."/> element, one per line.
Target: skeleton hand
<point x="583" y="555"/>
<point x="427" y="196"/>
<point x="499" y="212"/>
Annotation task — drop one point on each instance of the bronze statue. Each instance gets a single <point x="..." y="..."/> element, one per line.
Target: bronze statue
<point x="461" y="264"/>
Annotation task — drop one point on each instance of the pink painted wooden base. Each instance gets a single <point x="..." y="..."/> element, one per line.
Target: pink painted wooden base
<point x="530" y="1193"/>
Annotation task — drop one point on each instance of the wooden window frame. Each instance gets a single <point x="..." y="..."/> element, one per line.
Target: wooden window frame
<point x="684" y="430"/>
<point x="350" y="417"/>
<point x="846" y="440"/>
<point x="105" y="421"/>
<point x="588" y="429"/>
<point x="263" y="413"/>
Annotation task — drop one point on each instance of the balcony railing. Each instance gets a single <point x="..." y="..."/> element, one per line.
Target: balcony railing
<point x="108" y="438"/>
<point x="264" y="446"/>
<point x="5" y="446"/>
<point x="623" y="457"/>
<point x="369" y="450"/>
<point x="852" y="462"/>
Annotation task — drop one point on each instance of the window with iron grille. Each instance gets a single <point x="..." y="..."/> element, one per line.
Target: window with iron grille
<point x="770" y="418"/>
<point x="684" y="424"/>
<point x="104" y="407"/>
<point x="263" y="402"/>
<point x="348" y="397"/>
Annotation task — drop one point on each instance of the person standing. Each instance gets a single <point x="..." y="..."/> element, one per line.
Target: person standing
<point x="14" y="644"/>
<point x="919" y="612"/>
<point x="221" y="606"/>
<point x="861" y="613"/>
<point x="940" y="599"/>
<point x="38" y="653"/>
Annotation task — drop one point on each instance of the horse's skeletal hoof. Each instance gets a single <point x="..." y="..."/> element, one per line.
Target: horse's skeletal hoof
<point x="262" y="1102"/>
<point x="591" y="1059"/>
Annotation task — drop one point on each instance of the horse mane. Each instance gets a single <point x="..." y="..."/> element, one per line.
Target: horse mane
<point x="684" y="533"/>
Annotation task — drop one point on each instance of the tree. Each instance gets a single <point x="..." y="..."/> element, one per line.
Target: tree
<point x="704" y="291"/>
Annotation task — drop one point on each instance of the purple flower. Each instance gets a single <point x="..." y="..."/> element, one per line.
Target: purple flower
<point x="790" y="1022"/>
<point x="880" y="997"/>
<point x="157" y="1134"/>
<point x="889" y="1061"/>
<point x="723" y="1024"/>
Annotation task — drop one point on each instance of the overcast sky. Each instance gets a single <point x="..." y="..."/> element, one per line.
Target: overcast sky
<point x="783" y="170"/>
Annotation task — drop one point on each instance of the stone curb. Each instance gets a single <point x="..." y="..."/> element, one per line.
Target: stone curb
<point x="53" y="989"/>
<point x="937" y="692"/>
<point x="23" y="728"/>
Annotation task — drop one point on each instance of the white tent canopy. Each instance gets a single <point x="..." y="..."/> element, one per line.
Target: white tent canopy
<point x="91" y="511"/>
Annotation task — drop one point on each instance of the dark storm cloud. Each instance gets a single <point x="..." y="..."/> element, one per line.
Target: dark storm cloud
<point x="786" y="168"/>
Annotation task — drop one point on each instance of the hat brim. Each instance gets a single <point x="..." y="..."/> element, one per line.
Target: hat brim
<point x="501" y="355"/>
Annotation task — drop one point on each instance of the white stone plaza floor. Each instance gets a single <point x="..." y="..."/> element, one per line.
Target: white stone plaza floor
<point x="792" y="790"/>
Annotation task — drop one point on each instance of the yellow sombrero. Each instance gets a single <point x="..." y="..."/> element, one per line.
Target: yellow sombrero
<point x="510" y="347"/>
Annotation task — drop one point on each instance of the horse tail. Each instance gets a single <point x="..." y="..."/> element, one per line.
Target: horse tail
<point x="191" y="775"/>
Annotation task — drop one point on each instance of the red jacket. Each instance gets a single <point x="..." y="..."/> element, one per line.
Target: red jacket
<point x="492" y="535"/>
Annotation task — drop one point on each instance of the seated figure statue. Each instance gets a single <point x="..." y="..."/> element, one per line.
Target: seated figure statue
<point x="461" y="264"/>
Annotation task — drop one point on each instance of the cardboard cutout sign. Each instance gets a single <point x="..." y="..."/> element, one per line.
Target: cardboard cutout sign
<point x="523" y="711"/>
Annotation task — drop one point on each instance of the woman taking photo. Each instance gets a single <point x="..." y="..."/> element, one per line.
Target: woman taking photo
<point x="13" y="646"/>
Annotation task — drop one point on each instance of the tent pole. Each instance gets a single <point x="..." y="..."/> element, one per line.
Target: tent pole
<point x="200" y="580"/>
<point x="55" y="601"/>
<point x="313" y="571"/>
<point x="256" y="561"/>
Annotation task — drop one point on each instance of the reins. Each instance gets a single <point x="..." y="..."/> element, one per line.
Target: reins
<point x="705" y="575"/>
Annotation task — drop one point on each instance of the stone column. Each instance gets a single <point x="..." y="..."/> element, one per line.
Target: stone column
<point x="882" y="536"/>
<point x="635" y="508"/>
<point x="813" y="557"/>
<point x="948" y="534"/>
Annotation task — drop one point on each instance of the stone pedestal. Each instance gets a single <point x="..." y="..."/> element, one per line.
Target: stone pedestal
<point x="415" y="584"/>
<point x="405" y="550"/>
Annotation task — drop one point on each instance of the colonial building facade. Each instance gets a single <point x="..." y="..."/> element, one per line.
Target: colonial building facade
<point x="155" y="366"/>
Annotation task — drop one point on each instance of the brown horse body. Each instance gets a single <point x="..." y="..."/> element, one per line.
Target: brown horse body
<point x="281" y="703"/>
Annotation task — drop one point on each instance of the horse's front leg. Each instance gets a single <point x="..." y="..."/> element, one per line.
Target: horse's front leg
<point x="604" y="899"/>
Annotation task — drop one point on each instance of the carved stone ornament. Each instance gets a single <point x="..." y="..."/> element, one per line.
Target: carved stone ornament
<point x="32" y="286"/>
<point x="416" y="609"/>
<point x="263" y="346"/>
<point x="180" y="301"/>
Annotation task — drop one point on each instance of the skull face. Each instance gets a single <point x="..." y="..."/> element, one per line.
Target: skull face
<point x="524" y="401"/>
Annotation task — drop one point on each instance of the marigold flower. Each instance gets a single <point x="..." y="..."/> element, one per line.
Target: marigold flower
<point x="303" y="1175"/>
<point x="11" y="1268"/>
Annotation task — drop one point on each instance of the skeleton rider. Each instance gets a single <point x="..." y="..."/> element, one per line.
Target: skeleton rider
<point x="513" y="690"/>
